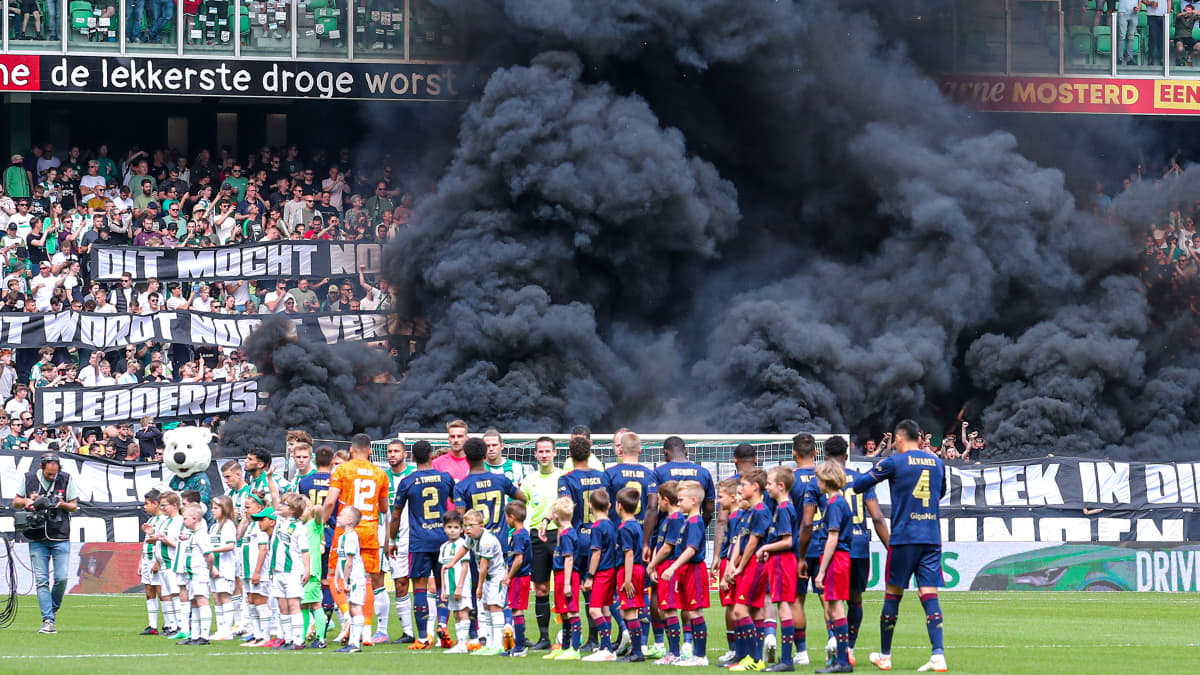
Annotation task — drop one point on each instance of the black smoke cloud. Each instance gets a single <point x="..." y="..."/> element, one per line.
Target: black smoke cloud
<point x="706" y="215"/>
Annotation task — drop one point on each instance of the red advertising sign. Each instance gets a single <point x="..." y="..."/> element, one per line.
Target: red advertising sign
<point x="1112" y="95"/>
<point x="20" y="73"/>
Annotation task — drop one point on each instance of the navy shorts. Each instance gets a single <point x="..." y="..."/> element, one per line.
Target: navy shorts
<point x="860" y="574"/>
<point x="423" y="564"/>
<point x="921" y="560"/>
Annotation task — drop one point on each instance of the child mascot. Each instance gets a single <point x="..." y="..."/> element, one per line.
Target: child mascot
<point x="187" y="456"/>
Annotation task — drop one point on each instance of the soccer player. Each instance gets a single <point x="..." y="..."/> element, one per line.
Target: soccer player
<point x="257" y="577"/>
<point x="350" y="575"/>
<point x="455" y="582"/>
<point x="779" y="554"/>
<point x="454" y="463"/>
<point x="631" y="576"/>
<point x="290" y="567"/>
<point x="861" y="505"/>
<point x="361" y="484"/>
<point x="484" y="491"/>
<point x="238" y="490"/>
<point x="665" y="591"/>
<point x="578" y="484"/>
<point x="223" y="533"/>
<point x="805" y="496"/>
<point x="489" y="585"/>
<point x="541" y="489"/>
<point x="166" y="538"/>
<point x="425" y="495"/>
<point x="262" y="475"/>
<point x="916" y="482"/>
<point x="498" y="463"/>
<point x="601" y="584"/>
<point x="177" y="537"/>
<point x="727" y="504"/>
<point x="315" y="486"/>
<point x="397" y="557"/>
<point x="679" y="468"/>
<point x="749" y="576"/>
<point x="629" y="473"/>
<point x="199" y="565"/>
<point x="689" y="571"/>
<point x="833" y="575"/>
<point x="299" y="448"/>
<point x="570" y="548"/>
<point x="148" y="570"/>
<point x="519" y="561"/>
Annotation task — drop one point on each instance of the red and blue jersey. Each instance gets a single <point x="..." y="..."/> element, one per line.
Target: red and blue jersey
<point x="785" y="523"/>
<point x="629" y="538"/>
<point x="567" y="545"/>
<point x="579" y="486"/>
<point x="917" y="483"/>
<point x="755" y="522"/>
<point x="486" y="492"/>
<point x="692" y="536"/>
<point x="812" y="497"/>
<point x="604" y="539"/>
<point x="672" y="533"/>
<point x="636" y="476"/>
<point x="427" y="494"/>
<point x="520" y="544"/>
<point x="732" y="531"/>
<point x="837" y="517"/>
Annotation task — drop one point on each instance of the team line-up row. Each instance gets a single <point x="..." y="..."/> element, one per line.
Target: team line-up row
<point x="627" y="545"/>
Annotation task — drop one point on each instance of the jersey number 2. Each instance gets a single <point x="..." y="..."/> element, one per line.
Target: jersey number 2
<point x="364" y="495"/>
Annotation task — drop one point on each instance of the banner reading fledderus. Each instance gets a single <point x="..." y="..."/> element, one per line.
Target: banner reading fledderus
<point x="261" y="260"/>
<point x="163" y="401"/>
<point x="112" y="331"/>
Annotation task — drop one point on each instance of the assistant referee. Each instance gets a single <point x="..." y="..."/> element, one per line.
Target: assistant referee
<point x="541" y="489"/>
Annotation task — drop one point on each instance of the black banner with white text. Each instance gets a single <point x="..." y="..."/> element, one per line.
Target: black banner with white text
<point x="260" y="260"/>
<point x="163" y="401"/>
<point x="111" y="331"/>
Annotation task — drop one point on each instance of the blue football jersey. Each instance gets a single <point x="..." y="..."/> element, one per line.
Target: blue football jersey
<point x="860" y="545"/>
<point x="636" y="476"/>
<point x="755" y="522"/>
<point x="604" y="539"/>
<point x="629" y="538"/>
<point x="692" y="536"/>
<point x="579" y="485"/>
<point x="785" y="522"/>
<point x="812" y="497"/>
<point x="566" y="545"/>
<point x="426" y="492"/>
<point x="917" y="483"/>
<point x="488" y="493"/>
<point x="837" y="517"/>
<point x="672" y="533"/>
<point x="315" y="486"/>
<point x="680" y="471"/>
<point x="520" y="544"/>
<point x="732" y="534"/>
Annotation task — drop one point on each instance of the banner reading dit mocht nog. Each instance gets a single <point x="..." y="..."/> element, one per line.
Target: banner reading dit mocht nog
<point x="260" y="260"/>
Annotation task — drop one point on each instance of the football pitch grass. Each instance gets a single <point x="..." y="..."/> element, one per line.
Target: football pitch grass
<point x="1001" y="632"/>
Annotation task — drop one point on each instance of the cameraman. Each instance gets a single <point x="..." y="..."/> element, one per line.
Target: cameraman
<point x="50" y="493"/>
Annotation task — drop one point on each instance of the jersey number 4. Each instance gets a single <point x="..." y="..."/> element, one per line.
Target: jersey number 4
<point x="921" y="489"/>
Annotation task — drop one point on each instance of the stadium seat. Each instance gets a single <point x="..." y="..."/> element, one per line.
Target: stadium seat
<point x="1196" y="32"/>
<point x="80" y="11"/>
<point x="1082" y="45"/>
<point x="1103" y="41"/>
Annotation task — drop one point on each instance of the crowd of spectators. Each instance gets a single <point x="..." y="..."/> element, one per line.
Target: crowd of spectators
<point x="960" y="448"/>
<point x="54" y="209"/>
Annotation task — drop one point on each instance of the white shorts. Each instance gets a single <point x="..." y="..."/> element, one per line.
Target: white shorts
<point x="222" y="585"/>
<point x="148" y="578"/>
<point x="199" y="587"/>
<point x="356" y="592"/>
<point x="398" y="564"/>
<point x="494" y="592"/>
<point x="465" y="602"/>
<point x="238" y="566"/>
<point x="169" y="582"/>
<point x="286" y="586"/>
<point x="263" y="587"/>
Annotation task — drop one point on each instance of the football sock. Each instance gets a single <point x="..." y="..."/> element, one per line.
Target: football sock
<point x="744" y="645"/>
<point x="404" y="607"/>
<point x="168" y="611"/>
<point x="644" y="620"/>
<point x="635" y="636"/>
<point x="699" y="637"/>
<point x="439" y="609"/>
<point x="887" y="622"/>
<point x="485" y="626"/>
<point x="591" y="627"/>
<point x="801" y="640"/>
<point x="473" y="627"/>
<point x="322" y="623"/>
<point x="933" y="620"/>
<point x="519" y="631"/>
<point x="854" y="617"/>
<point x="285" y="626"/>
<point x="384" y="609"/>
<point x="205" y="622"/>
<point x="368" y="610"/>
<point x="263" y="612"/>
<point x="356" y="630"/>
<point x="842" y="632"/>
<point x="658" y="626"/>
<point x="497" y="637"/>
<point x="541" y="608"/>
<point x="615" y="611"/>
<point x="152" y="612"/>
<point x="305" y="621"/>
<point x="760" y="634"/>
<point x="194" y="624"/>
<point x="421" y="612"/>
<point x="508" y="615"/>
<point x="687" y="631"/>
<point x="673" y="635"/>
<point x="576" y="632"/>
<point x="461" y="629"/>
<point x="605" y="629"/>
<point x="788" y="633"/>
<point x="183" y="612"/>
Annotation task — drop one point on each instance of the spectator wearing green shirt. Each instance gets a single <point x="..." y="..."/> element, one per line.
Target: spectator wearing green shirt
<point x="306" y="299"/>
<point x="238" y="181"/>
<point x="379" y="203"/>
<point x="142" y="201"/>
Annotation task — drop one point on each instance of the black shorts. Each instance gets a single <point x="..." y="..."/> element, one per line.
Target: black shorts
<point x="860" y="573"/>
<point x="543" y="556"/>
<point x="1189" y="43"/>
